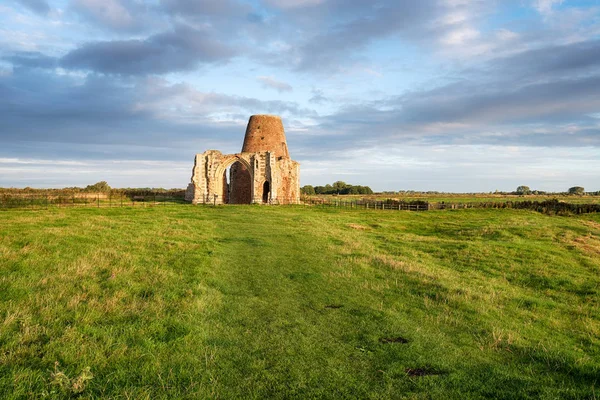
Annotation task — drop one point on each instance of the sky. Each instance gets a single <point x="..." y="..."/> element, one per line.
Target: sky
<point x="428" y="95"/>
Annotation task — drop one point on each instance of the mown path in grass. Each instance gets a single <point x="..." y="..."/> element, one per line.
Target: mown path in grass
<point x="291" y="302"/>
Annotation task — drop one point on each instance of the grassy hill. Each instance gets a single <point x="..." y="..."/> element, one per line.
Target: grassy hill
<point x="298" y="302"/>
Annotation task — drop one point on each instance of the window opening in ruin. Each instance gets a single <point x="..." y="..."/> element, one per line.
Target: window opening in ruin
<point x="266" y="191"/>
<point x="238" y="184"/>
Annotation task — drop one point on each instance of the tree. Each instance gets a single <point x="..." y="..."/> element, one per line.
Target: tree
<point x="339" y="185"/>
<point x="577" y="190"/>
<point x="101" y="186"/>
<point x="307" y="189"/>
<point x="523" y="190"/>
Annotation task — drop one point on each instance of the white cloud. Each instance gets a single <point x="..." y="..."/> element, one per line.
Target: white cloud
<point x="544" y="7"/>
<point x="272" y="83"/>
<point x="506" y="35"/>
<point x="460" y="36"/>
<point x="21" y="41"/>
<point x="294" y="3"/>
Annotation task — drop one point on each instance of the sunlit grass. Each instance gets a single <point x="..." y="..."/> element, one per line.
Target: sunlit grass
<point x="261" y="302"/>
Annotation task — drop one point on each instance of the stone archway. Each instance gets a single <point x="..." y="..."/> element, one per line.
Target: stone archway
<point x="240" y="184"/>
<point x="240" y="188"/>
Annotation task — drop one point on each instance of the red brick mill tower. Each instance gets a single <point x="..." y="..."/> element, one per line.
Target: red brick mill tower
<point x="262" y="173"/>
<point x="265" y="133"/>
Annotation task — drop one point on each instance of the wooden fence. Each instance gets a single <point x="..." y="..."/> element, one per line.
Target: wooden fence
<point x="547" y="206"/>
<point x="44" y="201"/>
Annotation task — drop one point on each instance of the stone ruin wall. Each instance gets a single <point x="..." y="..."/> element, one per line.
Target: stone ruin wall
<point x="264" y="158"/>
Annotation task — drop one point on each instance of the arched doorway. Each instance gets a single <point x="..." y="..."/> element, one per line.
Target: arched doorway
<point x="266" y="192"/>
<point x="239" y="184"/>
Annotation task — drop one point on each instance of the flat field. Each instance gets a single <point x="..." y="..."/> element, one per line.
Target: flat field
<point x="298" y="302"/>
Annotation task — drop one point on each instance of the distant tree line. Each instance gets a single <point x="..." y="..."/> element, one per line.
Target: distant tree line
<point x="338" y="187"/>
<point x="575" y="190"/>
<point x="98" y="187"/>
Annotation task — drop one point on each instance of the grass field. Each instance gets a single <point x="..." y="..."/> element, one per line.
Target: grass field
<point x="298" y="302"/>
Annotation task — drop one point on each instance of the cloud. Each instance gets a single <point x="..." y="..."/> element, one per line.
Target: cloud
<point x="294" y="3"/>
<point x="166" y="78"/>
<point x="556" y="100"/>
<point x="573" y="58"/>
<point x="19" y="172"/>
<point x="183" y="48"/>
<point x="272" y="83"/>
<point x="543" y="97"/>
<point x="105" y="12"/>
<point x="207" y="8"/>
<point x="331" y="36"/>
<point x="32" y="59"/>
<point x="37" y="6"/>
<point x="544" y="7"/>
<point x="318" y="97"/>
<point x="37" y="106"/>
<point x="344" y="40"/>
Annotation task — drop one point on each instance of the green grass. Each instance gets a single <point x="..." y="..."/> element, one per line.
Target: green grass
<point x="292" y="302"/>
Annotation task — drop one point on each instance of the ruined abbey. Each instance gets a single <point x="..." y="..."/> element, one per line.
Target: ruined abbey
<point x="262" y="173"/>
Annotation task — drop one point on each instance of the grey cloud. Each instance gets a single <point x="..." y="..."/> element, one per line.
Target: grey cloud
<point x="234" y="21"/>
<point x="118" y="15"/>
<point x="343" y="40"/>
<point x="183" y="48"/>
<point x="467" y="102"/>
<point x="255" y="18"/>
<point x="123" y="116"/>
<point x="207" y="8"/>
<point x="511" y="106"/>
<point x="38" y="6"/>
<point x="32" y="60"/>
<point x="318" y="97"/>
<point x="329" y="35"/>
<point x="553" y="84"/>
<point x="571" y="58"/>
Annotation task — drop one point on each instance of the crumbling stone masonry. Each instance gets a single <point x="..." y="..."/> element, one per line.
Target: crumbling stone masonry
<point x="262" y="173"/>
